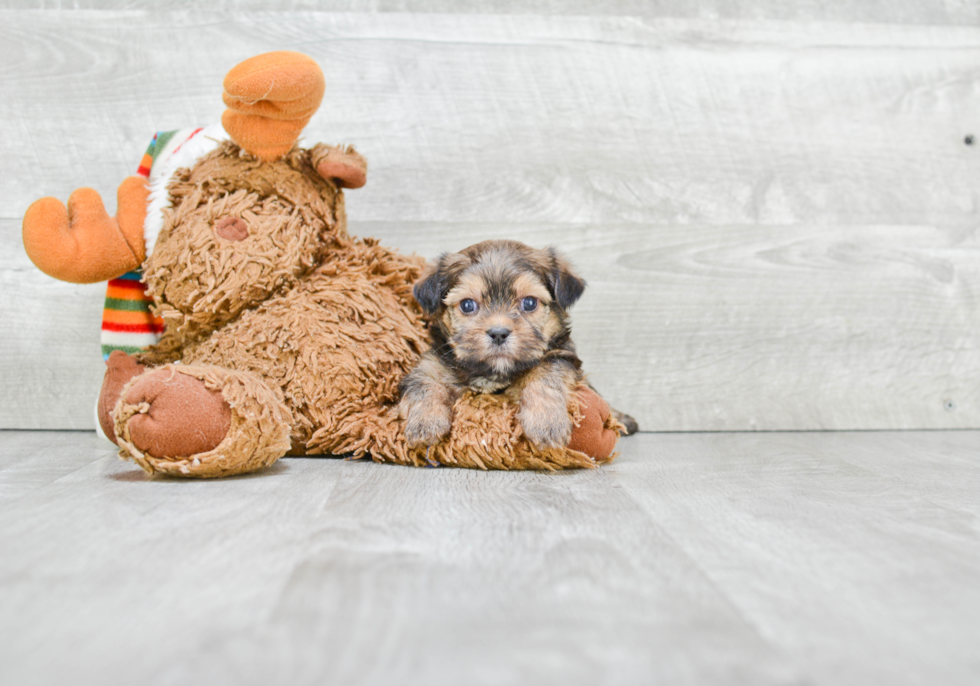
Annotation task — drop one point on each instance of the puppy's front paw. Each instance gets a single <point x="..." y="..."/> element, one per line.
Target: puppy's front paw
<point x="546" y="429"/>
<point x="427" y="428"/>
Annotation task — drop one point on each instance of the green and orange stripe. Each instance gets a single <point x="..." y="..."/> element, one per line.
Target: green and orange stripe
<point x="127" y="323"/>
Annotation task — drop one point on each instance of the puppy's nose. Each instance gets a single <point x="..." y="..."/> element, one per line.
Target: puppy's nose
<point x="499" y="334"/>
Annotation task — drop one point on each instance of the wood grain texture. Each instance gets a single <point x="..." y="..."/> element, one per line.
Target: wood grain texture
<point x="777" y="216"/>
<point x="924" y="12"/>
<point x="768" y="558"/>
<point x="769" y="327"/>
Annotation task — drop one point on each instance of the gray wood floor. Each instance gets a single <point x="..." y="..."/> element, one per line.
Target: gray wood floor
<point x="803" y="558"/>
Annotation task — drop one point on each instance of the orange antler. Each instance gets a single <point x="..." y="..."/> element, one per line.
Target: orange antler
<point x="82" y="243"/>
<point x="270" y="98"/>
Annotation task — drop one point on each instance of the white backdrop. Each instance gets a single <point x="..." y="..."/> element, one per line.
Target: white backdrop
<point x="773" y="202"/>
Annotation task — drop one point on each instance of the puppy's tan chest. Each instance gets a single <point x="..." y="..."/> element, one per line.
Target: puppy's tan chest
<point x="486" y="384"/>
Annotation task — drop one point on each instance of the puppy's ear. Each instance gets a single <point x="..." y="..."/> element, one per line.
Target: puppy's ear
<point x="428" y="291"/>
<point x="435" y="284"/>
<point x="565" y="285"/>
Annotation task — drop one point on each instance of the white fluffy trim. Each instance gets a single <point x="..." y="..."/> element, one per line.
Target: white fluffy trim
<point x="182" y="150"/>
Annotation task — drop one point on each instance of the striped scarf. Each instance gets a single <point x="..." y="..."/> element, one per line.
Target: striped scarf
<point x="127" y="322"/>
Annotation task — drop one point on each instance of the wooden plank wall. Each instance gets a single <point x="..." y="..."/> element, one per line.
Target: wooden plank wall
<point x="773" y="202"/>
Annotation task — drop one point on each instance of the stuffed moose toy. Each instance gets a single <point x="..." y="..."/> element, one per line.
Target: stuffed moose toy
<point x="271" y="330"/>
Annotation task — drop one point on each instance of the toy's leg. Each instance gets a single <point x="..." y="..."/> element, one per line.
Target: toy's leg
<point x="188" y="420"/>
<point x="598" y="429"/>
<point x="122" y="369"/>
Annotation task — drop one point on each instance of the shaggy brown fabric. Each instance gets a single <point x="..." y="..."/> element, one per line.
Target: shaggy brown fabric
<point x="336" y="345"/>
<point x="202" y="281"/>
<point x="486" y="434"/>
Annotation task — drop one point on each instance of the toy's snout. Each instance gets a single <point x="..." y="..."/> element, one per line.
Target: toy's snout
<point x="231" y="228"/>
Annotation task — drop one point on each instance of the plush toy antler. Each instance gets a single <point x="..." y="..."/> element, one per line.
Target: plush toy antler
<point x="270" y="98"/>
<point x="81" y="243"/>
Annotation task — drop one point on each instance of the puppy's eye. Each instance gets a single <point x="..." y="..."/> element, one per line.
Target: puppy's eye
<point x="468" y="306"/>
<point x="529" y="304"/>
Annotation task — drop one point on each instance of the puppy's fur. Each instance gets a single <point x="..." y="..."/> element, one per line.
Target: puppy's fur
<point x="498" y="319"/>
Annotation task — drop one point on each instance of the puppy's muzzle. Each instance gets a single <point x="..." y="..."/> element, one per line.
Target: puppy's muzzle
<point x="498" y="334"/>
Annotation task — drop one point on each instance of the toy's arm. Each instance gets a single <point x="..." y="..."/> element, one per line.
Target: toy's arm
<point x="82" y="243"/>
<point x="344" y="166"/>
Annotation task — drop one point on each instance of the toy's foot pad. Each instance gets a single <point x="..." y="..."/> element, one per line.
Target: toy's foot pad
<point x="178" y="416"/>
<point x="597" y="433"/>
<point x="203" y="421"/>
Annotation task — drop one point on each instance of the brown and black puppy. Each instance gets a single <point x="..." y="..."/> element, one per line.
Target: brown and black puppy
<point x="498" y="319"/>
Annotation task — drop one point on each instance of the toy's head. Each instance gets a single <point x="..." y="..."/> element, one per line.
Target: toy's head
<point x="251" y="217"/>
<point x="238" y="231"/>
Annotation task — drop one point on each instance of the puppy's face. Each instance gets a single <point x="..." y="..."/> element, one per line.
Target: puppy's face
<point x="499" y="305"/>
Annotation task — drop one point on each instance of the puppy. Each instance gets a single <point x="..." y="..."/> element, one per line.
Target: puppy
<point x="499" y="323"/>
